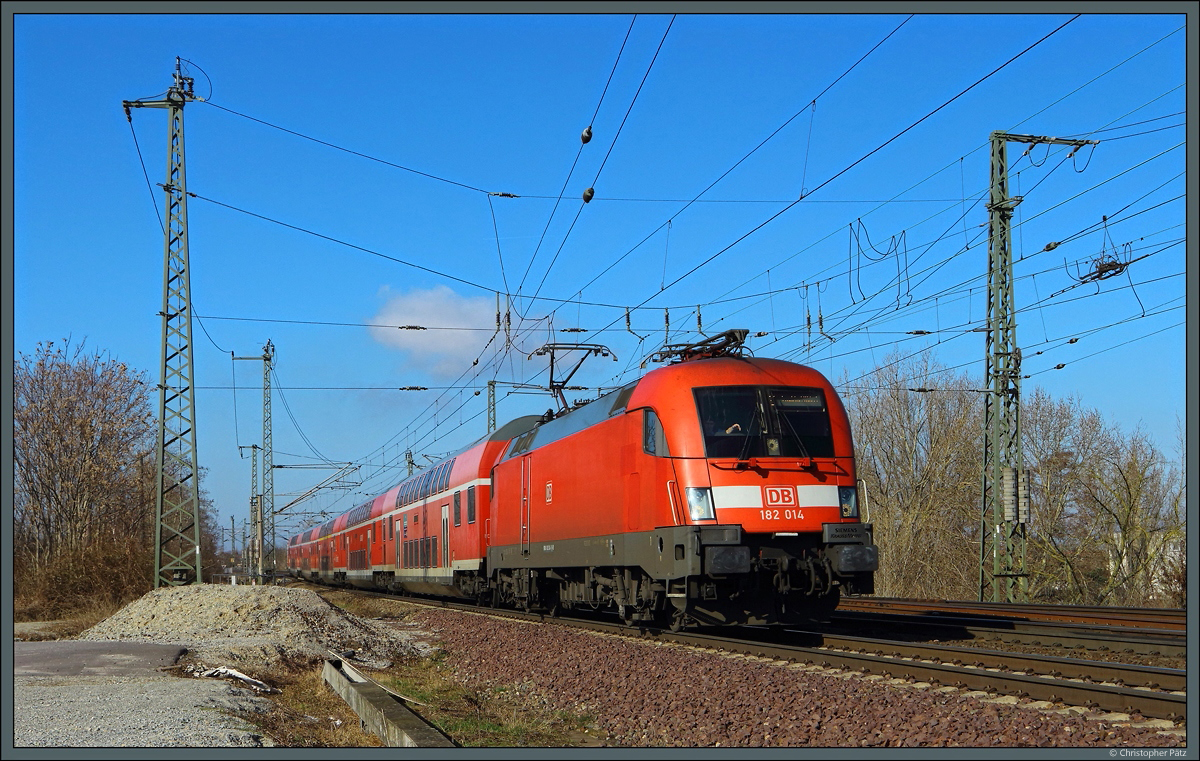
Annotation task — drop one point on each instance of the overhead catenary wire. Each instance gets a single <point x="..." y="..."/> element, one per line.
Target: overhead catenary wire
<point x="584" y="139"/>
<point x="341" y="242"/>
<point x="864" y="157"/>
<point x="1066" y="340"/>
<point x="455" y="278"/>
<point x="770" y="290"/>
<point x="288" y="409"/>
<point x="740" y="161"/>
<point x="604" y="162"/>
<point x="347" y="150"/>
<point x="959" y="161"/>
<point x="945" y="261"/>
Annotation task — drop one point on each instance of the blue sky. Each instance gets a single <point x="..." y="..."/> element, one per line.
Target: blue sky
<point x="449" y="110"/>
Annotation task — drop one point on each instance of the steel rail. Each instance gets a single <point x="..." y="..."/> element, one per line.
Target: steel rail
<point x="1145" y="642"/>
<point x="1160" y="705"/>
<point x="1120" y="674"/>
<point x="1140" y="618"/>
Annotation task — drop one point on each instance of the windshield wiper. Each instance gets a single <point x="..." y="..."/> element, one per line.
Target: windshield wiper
<point x="799" y="443"/>
<point x="746" y="444"/>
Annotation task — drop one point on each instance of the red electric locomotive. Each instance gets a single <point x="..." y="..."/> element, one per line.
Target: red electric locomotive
<point x="718" y="490"/>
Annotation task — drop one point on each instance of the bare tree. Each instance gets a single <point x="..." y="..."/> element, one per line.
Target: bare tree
<point x="85" y="481"/>
<point x="1135" y="500"/>
<point x="1108" y="510"/>
<point x="1064" y="545"/>
<point x="83" y="434"/>
<point x="917" y="432"/>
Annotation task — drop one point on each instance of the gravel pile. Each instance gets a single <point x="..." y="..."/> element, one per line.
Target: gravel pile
<point x="663" y="695"/>
<point x="253" y="628"/>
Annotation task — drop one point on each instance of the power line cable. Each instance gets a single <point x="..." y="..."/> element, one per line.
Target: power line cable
<point x="347" y="150"/>
<point x="740" y="161"/>
<point x="578" y="153"/>
<point x="149" y="186"/>
<point x="869" y="154"/>
<point x="287" y="408"/>
<point x="978" y="148"/>
<point x="612" y="145"/>
<point x="332" y="239"/>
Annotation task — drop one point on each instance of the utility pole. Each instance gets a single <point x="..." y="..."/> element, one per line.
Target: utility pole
<point x="267" y="502"/>
<point x="262" y="503"/>
<point x="177" y="500"/>
<point x="245" y="548"/>
<point x="254" y="549"/>
<point x="1002" y="575"/>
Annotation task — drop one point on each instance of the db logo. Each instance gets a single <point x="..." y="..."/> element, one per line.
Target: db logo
<point x="780" y="496"/>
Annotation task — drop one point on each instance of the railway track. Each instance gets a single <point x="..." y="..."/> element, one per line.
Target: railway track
<point x="1105" y="639"/>
<point x="1031" y="634"/>
<point x="1174" y="619"/>
<point x="1152" y="692"/>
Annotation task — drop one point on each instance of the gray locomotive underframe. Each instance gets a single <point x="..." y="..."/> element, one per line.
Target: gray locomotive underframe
<point x="691" y="567"/>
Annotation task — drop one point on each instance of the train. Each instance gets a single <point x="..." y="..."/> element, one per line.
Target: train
<point x="716" y="490"/>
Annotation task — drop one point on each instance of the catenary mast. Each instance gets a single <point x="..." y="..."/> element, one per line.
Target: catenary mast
<point x="177" y="503"/>
<point x="1002" y="574"/>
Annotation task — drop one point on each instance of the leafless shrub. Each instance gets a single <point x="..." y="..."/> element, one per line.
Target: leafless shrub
<point x="85" y="481"/>
<point x="1108" y="510"/>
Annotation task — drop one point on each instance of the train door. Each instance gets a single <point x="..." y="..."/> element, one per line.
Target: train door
<point x="424" y="540"/>
<point x="398" y="540"/>
<point x="446" y="535"/>
<point x="526" y="466"/>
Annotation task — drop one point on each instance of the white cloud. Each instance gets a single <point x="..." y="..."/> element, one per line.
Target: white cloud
<point x="441" y="352"/>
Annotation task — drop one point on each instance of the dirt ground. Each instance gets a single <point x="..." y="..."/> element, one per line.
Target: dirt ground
<point x="24" y="629"/>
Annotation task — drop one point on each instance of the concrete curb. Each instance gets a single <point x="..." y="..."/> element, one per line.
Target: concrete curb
<point x="379" y="711"/>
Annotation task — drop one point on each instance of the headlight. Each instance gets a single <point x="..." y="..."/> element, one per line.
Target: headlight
<point x="700" y="505"/>
<point x="848" y="499"/>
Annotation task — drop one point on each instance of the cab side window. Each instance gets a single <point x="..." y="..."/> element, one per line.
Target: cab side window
<point x="654" y="440"/>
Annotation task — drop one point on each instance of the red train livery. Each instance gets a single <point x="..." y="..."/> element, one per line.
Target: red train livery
<point x="718" y="490"/>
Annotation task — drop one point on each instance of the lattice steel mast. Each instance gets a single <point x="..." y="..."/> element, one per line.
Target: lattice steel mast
<point x="254" y="549"/>
<point x="177" y="504"/>
<point x="262" y="503"/>
<point x="1002" y="576"/>
<point x="267" y="502"/>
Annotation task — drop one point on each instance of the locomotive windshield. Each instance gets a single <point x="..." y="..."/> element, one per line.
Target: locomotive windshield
<point x="764" y="421"/>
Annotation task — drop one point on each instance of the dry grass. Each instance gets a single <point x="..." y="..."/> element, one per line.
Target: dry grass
<point x="470" y="717"/>
<point x="308" y="714"/>
<point x="483" y="717"/>
<point x="72" y="623"/>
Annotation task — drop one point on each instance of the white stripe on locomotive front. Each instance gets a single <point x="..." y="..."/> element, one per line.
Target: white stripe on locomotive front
<point x="815" y="495"/>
